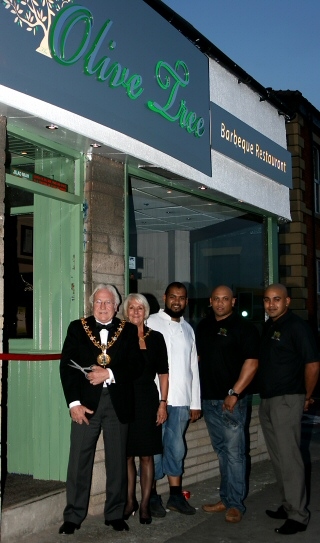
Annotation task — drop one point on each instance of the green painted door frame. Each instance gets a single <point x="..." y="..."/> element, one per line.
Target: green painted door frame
<point x="38" y="421"/>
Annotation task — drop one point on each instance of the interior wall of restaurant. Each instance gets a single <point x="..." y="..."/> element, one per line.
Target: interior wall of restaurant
<point x="164" y="257"/>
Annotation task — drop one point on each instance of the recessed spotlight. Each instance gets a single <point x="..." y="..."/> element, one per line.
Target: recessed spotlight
<point x="24" y="152"/>
<point x="169" y="191"/>
<point x="95" y="145"/>
<point x="202" y="187"/>
<point x="52" y="126"/>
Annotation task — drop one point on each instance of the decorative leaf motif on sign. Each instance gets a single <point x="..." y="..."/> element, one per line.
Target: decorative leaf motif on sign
<point x="35" y="17"/>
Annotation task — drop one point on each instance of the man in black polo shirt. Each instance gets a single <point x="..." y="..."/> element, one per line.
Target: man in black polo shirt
<point x="288" y="373"/>
<point x="227" y="347"/>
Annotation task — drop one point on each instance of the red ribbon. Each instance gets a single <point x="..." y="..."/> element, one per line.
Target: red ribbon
<point x="31" y="357"/>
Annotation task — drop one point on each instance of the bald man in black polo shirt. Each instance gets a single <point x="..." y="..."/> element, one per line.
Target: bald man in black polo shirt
<point x="288" y="373"/>
<point x="227" y="347"/>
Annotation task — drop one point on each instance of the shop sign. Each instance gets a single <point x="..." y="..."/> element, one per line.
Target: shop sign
<point x="116" y="62"/>
<point x="41" y="179"/>
<point x="239" y="141"/>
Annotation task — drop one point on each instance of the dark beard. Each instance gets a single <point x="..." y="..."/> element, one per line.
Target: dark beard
<point x="173" y="314"/>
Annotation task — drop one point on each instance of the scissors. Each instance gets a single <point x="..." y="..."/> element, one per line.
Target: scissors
<point x="81" y="368"/>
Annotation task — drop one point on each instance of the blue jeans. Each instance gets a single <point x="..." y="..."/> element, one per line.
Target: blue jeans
<point x="170" y="462"/>
<point x="227" y="434"/>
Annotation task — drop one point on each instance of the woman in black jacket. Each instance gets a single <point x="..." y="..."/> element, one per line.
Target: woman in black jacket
<point x="145" y="433"/>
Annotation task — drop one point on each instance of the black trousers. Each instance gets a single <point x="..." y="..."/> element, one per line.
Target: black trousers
<point x="82" y="451"/>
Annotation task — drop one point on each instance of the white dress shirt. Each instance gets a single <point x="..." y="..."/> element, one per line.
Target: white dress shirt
<point x="104" y="340"/>
<point x="184" y="384"/>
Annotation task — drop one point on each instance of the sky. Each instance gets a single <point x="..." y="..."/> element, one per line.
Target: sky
<point x="276" y="41"/>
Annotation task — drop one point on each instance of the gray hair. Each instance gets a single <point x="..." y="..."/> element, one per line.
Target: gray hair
<point x="141" y="299"/>
<point x="109" y="288"/>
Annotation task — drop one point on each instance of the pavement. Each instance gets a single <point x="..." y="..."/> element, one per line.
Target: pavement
<point x="203" y="527"/>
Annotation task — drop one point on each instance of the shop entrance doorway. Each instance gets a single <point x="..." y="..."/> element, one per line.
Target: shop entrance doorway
<point x="176" y="235"/>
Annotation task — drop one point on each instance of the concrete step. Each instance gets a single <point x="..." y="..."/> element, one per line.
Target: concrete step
<point x="32" y="516"/>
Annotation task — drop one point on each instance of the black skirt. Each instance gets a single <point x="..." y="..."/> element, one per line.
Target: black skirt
<point x="144" y="437"/>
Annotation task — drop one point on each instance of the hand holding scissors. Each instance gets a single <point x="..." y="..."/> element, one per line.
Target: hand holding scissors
<point x="85" y="370"/>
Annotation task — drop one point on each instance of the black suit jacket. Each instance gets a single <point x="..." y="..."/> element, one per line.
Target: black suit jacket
<point x="126" y="365"/>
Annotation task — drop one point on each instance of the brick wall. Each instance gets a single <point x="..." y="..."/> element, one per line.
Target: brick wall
<point x="310" y="219"/>
<point x="299" y="241"/>
<point x="104" y="225"/>
<point x="292" y="236"/>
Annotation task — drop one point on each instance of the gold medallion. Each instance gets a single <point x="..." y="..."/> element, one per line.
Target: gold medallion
<point x="103" y="359"/>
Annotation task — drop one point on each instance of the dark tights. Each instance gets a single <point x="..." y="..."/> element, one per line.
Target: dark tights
<point x="146" y="480"/>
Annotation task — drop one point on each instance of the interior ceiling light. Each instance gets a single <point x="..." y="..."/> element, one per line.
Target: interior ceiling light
<point x="169" y="191"/>
<point x="52" y="127"/>
<point x="24" y="152"/>
<point x="95" y="145"/>
<point x="202" y="187"/>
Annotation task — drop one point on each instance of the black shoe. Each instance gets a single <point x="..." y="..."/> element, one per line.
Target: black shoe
<point x="68" y="528"/>
<point x="118" y="524"/>
<point x="280" y="513"/>
<point x="291" y="527"/>
<point x="179" y="503"/>
<point x="145" y="520"/>
<point x="131" y="511"/>
<point x="156" y="508"/>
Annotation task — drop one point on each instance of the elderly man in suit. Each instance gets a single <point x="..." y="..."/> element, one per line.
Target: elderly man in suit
<point x="100" y="359"/>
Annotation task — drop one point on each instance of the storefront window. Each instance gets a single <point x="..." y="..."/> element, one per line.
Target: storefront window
<point x="181" y="237"/>
<point x="18" y="271"/>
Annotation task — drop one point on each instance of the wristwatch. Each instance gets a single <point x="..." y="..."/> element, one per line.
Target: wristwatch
<point x="232" y="392"/>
